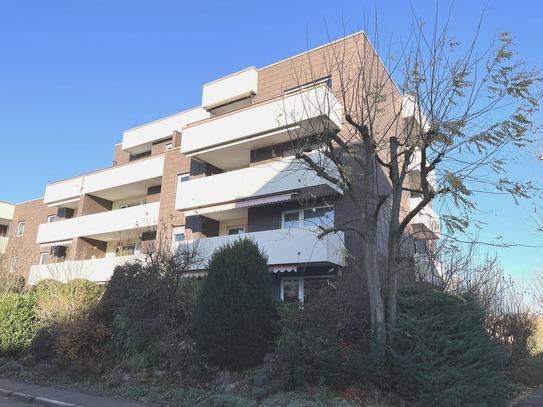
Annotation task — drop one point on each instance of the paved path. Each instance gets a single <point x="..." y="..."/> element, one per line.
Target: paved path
<point x="52" y="396"/>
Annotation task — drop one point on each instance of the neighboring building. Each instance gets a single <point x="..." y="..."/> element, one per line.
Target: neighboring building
<point x="6" y="216"/>
<point x="209" y="174"/>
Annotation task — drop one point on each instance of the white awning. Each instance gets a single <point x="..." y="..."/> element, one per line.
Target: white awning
<point x="241" y="204"/>
<point x="284" y="268"/>
<point x="53" y="244"/>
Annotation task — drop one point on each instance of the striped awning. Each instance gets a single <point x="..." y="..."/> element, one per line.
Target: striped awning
<point x="284" y="268"/>
<point x="53" y="244"/>
<point x="241" y="204"/>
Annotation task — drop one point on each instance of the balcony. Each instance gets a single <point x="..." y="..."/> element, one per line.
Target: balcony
<point x="96" y="270"/>
<point x="414" y="173"/>
<point x="226" y="141"/>
<point x="114" y="183"/>
<point x="105" y="226"/>
<point x="285" y="246"/>
<point x="278" y="177"/>
<point x="233" y="87"/>
<point x="140" y="139"/>
<point x="426" y="224"/>
<point x="6" y="213"/>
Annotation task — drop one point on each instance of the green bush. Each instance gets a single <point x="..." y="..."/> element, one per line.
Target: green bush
<point x="236" y="309"/>
<point x="442" y="354"/>
<point x="17" y="323"/>
<point x="152" y="310"/>
<point x="324" y="342"/>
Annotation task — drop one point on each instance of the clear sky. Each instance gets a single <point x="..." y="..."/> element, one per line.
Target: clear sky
<point x="75" y="74"/>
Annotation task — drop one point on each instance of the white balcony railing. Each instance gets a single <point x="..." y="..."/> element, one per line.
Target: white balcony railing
<point x="141" y="138"/>
<point x="101" y="224"/>
<point x="426" y="224"/>
<point x="135" y="177"/>
<point x="96" y="270"/>
<point x="414" y="173"/>
<point x="6" y="213"/>
<point x="264" y="124"/>
<point x="232" y="87"/>
<point x="283" y="246"/>
<point x="288" y="175"/>
<point x="3" y="244"/>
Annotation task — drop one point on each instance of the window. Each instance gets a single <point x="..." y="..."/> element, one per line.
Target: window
<point x="13" y="264"/>
<point x="131" y="204"/>
<point x="168" y="146"/>
<point x="309" y="217"/>
<point x="178" y="235"/>
<point x="300" y="289"/>
<point x="20" y="228"/>
<point x="181" y="178"/>
<point x="51" y="218"/>
<point x="324" y="81"/>
<point x="236" y="230"/>
<point x="44" y="258"/>
<point x="127" y="249"/>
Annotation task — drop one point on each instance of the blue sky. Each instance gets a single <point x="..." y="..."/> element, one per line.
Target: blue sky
<point x="74" y="75"/>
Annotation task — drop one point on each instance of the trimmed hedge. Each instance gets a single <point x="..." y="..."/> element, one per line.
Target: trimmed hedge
<point x="17" y="323"/>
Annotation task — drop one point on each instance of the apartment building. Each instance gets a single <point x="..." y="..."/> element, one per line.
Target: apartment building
<point x="210" y="174"/>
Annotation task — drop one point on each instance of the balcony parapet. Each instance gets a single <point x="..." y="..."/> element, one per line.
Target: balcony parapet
<point x="426" y="224"/>
<point x="110" y="182"/>
<point x="95" y="270"/>
<point x="277" y="177"/>
<point x="141" y="138"/>
<point x="102" y="226"/>
<point x="263" y="124"/>
<point x="283" y="246"/>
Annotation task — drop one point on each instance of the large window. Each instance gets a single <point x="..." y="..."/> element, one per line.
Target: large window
<point x="309" y="217"/>
<point x="300" y="289"/>
<point x="20" y="228"/>
<point x="129" y="249"/>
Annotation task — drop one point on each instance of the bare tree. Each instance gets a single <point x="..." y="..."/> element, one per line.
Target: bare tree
<point x="438" y="134"/>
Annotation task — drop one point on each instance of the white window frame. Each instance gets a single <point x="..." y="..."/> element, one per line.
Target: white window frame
<point x="168" y="146"/>
<point x="20" y="228"/>
<point x="121" y="248"/>
<point x="301" y="217"/>
<point x="44" y="258"/>
<point x="51" y="218"/>
<point x="13" y="264"/>
<point x="233" y="227"/>
<point x="132" y="204"/>
<point x="301" y="286"/>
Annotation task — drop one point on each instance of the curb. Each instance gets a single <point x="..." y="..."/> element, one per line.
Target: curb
<point x="29" y="398"/>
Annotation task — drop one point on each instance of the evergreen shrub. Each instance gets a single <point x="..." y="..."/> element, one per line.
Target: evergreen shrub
<point x="236" y="309"/>
<point x="441" y="354"/>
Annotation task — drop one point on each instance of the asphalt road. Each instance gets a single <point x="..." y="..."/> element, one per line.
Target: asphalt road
<point x="6" y="402"/>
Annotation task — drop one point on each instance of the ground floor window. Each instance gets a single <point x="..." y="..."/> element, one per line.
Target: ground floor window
<point x="300" y="289"/>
